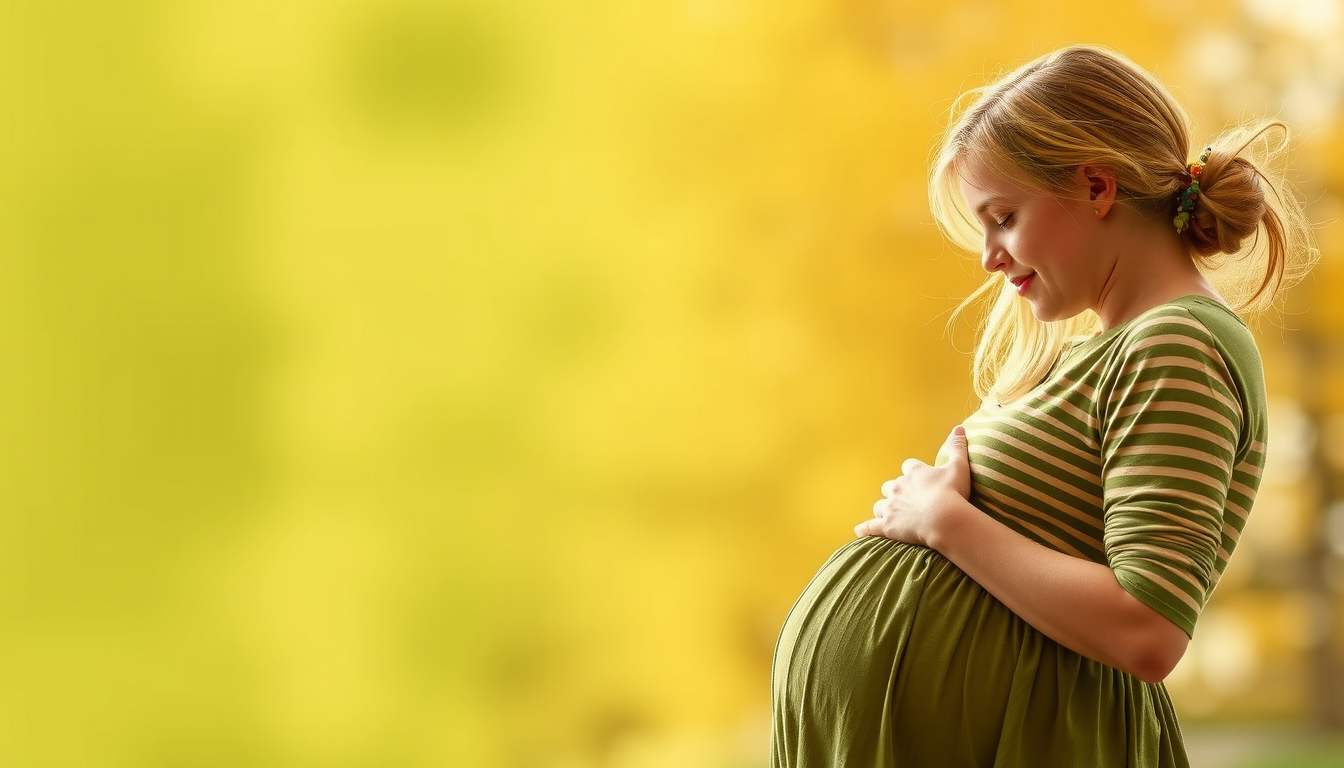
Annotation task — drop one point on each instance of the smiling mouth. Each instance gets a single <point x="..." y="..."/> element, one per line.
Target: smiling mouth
<point x="1022" y="283"/>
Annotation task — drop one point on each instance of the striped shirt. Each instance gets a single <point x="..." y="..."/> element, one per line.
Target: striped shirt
<point x="1142" y="450"/>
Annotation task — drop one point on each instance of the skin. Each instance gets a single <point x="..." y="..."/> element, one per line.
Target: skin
<point x="1086" y="251"/>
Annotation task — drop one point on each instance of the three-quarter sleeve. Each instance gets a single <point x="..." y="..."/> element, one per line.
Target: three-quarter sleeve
<point x="1171" y="421"/>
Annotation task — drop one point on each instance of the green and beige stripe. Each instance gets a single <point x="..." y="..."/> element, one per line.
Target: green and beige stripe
<point x="1143" y="451"/>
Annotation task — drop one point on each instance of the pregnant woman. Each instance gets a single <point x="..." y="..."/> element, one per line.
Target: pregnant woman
<point x="1020" y="602"/>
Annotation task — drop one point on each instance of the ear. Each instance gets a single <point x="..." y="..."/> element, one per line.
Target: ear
<point x="1099" y="181"/>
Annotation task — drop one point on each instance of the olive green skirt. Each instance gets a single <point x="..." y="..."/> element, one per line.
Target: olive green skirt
<point x="894" y="657"/>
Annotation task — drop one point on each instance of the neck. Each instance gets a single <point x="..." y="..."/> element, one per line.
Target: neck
<point x="1149" y="266"/>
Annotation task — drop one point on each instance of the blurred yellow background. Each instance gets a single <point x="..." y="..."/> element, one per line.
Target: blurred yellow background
<point x="408" y="383"/>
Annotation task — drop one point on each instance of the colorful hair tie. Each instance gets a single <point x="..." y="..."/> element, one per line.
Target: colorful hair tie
<point x="1191" y="193"/>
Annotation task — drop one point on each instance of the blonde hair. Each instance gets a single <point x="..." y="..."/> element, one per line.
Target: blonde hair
<point x="1089" y="105"/>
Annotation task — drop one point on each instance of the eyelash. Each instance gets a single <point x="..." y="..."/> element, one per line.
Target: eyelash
<point x="1004" y="224"/>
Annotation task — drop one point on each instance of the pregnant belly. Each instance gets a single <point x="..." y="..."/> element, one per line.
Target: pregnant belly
<point x="893" y="656"/>
<point x="891" y="642"/>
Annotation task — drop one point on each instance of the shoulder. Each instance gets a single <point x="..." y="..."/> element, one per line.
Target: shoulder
<point x="1170" y="351"/>
<point x="1195" y="327"/>
<point x="1184" y="317"/>
<point x="1194" y="346"/>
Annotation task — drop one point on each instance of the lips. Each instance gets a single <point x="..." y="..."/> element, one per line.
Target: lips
<point x="1022" y="283"/>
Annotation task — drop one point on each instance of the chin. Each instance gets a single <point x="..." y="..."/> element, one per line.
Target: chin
<point x="1053" y="314"/>
<point x="1046" y="315"/>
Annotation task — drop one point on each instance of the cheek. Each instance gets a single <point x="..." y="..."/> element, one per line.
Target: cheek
<point x="1060" y="245"/>
<point x="1035" y="246"/>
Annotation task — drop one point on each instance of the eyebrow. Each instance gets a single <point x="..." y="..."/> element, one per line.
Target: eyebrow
<point x="981" y="208"/>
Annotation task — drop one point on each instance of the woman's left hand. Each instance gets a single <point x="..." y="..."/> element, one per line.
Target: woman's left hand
<point x="914" y="503"/>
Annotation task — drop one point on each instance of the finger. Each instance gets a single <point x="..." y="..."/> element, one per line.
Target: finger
<point x="909" y="465"/>
<point x="889" y="489"/>
<point x="866" y="528"/>
<point x="880" y="508"/>
<point x="954" y="447"/>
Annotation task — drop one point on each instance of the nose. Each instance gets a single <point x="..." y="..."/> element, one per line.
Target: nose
<point x="994" y="257"/>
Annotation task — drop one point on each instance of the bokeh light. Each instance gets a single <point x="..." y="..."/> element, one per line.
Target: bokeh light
<point x="478" y="382"/>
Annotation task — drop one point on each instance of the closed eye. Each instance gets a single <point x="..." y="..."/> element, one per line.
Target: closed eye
<point x="1003" y="223"/>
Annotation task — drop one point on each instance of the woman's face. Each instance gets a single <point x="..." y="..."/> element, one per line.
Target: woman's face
<point x="1046" y="247"/>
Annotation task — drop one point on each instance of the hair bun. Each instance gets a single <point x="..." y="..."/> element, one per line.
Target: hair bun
<point x="1230" y="206"/>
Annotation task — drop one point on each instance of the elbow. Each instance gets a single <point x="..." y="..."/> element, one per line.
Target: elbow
<point x="1154" y="668"/>
<point x="1158" y="654"/>
<point x="1150" y="644"/>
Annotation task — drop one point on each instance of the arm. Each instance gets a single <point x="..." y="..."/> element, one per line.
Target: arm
<point x="1075" y="602"/>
